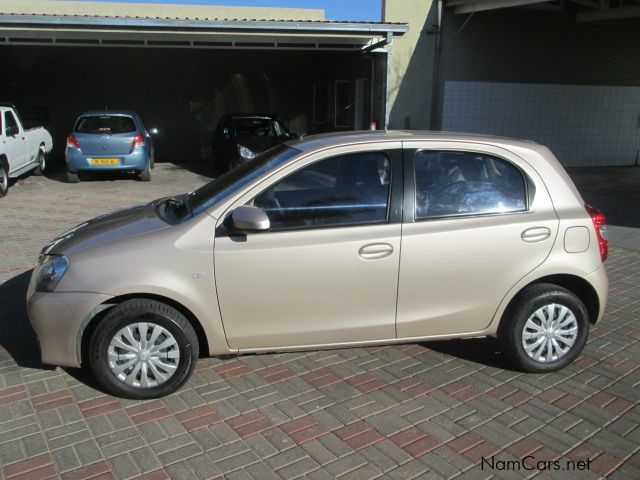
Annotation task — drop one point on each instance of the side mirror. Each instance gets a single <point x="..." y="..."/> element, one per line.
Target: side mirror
<point x="294" y="136"/>
<point x="250" y="219"/>
<point x="154" y="131"/>
<point x="12" y="131"/>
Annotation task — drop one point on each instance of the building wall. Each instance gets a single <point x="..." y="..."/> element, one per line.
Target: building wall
<point x="60" y="7"/>
<point x="410" y="63"/>
<point x="525" y="73"/>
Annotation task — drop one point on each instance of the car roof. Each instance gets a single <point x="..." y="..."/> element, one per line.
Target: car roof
<point x="240" y="116"/>
<point x="95" y="113"/>
<point x="325" y="140"/>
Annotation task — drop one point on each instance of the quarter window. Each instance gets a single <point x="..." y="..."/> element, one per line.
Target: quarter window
<point x="464" y="183"/>
<point x="344" y="190"/>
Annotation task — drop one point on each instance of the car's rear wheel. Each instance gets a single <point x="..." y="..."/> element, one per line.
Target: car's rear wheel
<point x="143" y="349"/>
<point x="72" y="177"/>
<point x="545" y="328"/>
<point x="42" y="163"/>
<point x="145" y="175"/>
<point x="4" y="181"/>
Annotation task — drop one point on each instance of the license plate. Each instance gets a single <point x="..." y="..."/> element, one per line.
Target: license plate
<point x="105" y="161"/>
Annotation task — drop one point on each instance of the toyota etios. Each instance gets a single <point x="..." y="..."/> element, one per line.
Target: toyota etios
<point x="337" y="240"/>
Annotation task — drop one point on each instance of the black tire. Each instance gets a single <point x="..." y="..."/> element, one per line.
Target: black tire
<point x="42" y="164"/>
<point x="72" y="177"/>
<point x="4" y="181"/>
<point x="131" y="312"/>
<point x="145" y="175"/>
<point x="530" y="300"/>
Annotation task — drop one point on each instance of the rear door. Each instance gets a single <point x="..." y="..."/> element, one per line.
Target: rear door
<point x="105" y="135"/>
<point x="477" y="219"/>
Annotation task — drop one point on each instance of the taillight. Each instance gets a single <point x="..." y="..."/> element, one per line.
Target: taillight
<point x="72" y="142"/>
<point x="138" y="141"/>
<point x="600" y="224"/>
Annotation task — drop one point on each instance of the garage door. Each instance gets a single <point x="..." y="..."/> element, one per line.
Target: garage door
<point x="583" y="125"/>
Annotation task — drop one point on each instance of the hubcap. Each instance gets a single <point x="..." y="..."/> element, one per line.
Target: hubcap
<point x="42" y="161"/>
<point x="143" y="355"/>
<point x="4" y="180"/>
<point x="549" y="333"/>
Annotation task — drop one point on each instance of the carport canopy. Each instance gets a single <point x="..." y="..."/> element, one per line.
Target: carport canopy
<point x="86" y="30"/>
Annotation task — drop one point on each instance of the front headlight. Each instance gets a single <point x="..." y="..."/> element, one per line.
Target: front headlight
<point x="245" y="152"/>
<point x="51" y="268"/>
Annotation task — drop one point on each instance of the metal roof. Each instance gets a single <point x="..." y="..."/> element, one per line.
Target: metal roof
<point x="210" y="23"/>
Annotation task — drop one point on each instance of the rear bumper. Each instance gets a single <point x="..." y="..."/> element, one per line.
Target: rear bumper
<point x="600" y="282"/>
<point x="77" y="161"/>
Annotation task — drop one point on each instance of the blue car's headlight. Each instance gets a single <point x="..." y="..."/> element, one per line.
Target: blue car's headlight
<point x="50" y="270"/>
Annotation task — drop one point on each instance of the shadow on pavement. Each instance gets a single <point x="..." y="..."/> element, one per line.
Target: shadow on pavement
<point x="485" y="351"/>
<point x="16" y="335"/>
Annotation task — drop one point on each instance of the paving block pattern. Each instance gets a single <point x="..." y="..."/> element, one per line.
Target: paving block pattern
<point x="437" y="410"/>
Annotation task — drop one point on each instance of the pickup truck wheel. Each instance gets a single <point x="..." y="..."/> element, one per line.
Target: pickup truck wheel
<point x="4" y="181"/>
<point x="72" y="177"/>
<point x="42" y="163"/>
<point x="143" y="349"/>
<point x="145" y="175"/>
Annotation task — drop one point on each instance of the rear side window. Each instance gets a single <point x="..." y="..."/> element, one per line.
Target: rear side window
<point x="465" y="183"/>
<point x="338" y="191"/>
<point x="105" y="124"/>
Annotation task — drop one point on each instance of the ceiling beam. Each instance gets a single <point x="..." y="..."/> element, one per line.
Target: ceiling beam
<point x="608" y="14"/>
<point x="482" y="5"/>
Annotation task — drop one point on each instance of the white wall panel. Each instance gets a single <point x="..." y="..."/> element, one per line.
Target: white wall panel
<point x="583" y="125"/>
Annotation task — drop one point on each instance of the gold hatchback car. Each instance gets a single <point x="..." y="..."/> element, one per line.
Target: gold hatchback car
<point x="337" y="240"/>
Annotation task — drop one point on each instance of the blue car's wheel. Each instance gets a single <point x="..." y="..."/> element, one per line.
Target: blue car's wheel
<point x="145" y="175"/>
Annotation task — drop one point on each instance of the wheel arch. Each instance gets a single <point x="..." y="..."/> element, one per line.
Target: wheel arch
<point x="575" y="284"/>
<point x="4" y="161"/>
<point x="99" y="313"/>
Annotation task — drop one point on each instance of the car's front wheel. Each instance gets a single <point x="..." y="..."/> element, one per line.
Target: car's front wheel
<point x="544" y="329"/>
<point x="143" y="349"/>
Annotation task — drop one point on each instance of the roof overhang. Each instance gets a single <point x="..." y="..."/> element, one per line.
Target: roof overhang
<point x="76" y="30"/>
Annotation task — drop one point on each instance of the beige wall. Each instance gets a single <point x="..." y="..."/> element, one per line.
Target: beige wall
<point x="108" y="9"/>
<point x="410" y="63"/>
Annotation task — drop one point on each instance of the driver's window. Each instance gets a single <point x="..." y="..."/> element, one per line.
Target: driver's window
<point x="10" y="121"/>
<point x="344" y="190"/>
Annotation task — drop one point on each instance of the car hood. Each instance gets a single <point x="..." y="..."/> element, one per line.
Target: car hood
<point x="258" y="144"/>
<point x="108" y="228"/>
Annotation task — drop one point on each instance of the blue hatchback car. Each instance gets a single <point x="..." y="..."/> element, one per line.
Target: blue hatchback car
<point x="109" y="141"/>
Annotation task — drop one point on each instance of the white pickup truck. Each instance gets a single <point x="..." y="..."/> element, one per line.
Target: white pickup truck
<point x="20" y="150"/>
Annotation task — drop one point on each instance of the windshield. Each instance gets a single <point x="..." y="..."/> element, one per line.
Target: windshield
<point x="257" y="127"/>
<point x="211" y="193"/>
<point x="105" y="124"/>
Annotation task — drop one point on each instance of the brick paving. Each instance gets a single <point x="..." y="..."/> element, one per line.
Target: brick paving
<point x="400" y="412"/>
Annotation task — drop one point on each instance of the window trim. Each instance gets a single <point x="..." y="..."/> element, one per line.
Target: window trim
<point x="411" y="186"/>
<point x="393" y="213"/>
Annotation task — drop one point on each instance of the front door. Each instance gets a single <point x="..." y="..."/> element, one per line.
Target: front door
<point x="327" y="271"/>
<point x="15" y="146"/>
<point x="477" y="221"/>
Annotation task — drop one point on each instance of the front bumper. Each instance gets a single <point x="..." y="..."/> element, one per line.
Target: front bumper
<point x="77" y="161"/>
<point x="59" y="318"/>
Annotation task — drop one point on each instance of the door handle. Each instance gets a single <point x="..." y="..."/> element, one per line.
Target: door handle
<point x="374" y="251"/>
<point x="536" y="234"/>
